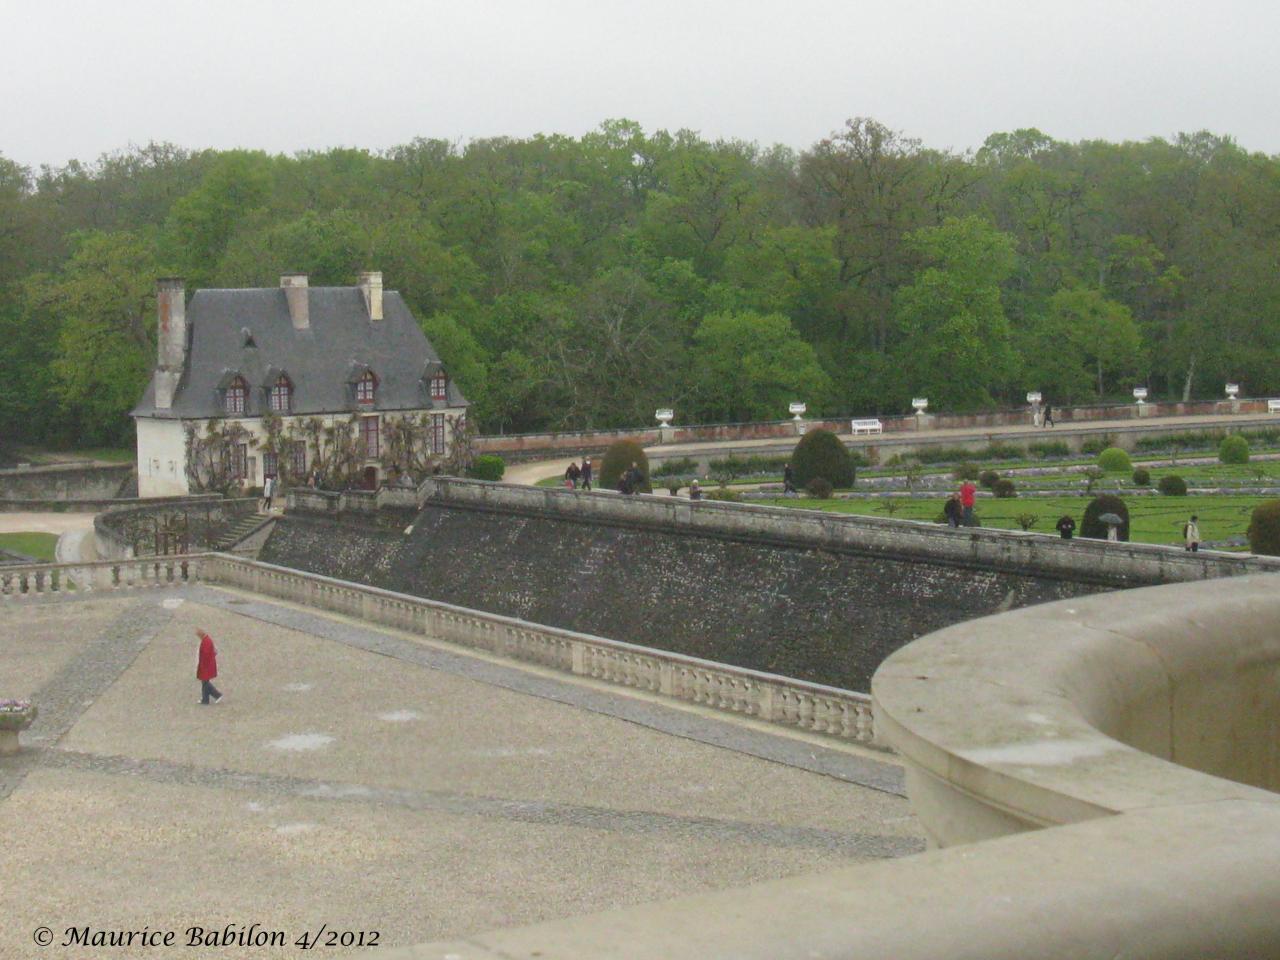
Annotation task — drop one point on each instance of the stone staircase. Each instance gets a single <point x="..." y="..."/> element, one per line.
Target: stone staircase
<point x="235" y="530"/>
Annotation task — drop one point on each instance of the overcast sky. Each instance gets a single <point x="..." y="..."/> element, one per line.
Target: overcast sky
<point x="80" y="78"/>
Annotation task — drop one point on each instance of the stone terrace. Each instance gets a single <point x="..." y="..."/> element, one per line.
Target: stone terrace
<point x="370" y="780"/>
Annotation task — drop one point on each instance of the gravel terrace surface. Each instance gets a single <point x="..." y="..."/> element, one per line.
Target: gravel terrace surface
<point x="368" y="781"/>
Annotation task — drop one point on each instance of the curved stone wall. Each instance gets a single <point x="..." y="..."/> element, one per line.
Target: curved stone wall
<point x="1078" y="709"/>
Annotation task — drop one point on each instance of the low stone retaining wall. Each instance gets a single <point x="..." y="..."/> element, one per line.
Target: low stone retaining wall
<point x="530" y="446"/>
<point x="64" y="482"/>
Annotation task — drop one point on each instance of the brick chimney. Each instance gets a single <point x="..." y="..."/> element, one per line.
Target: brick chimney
<point x="295" y="291"/>
<point x="370" y="284"/>
<point x="171" y="338"/>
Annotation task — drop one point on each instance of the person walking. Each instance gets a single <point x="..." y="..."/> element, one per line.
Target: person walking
<point x="571" y="475"/>
<point x="1048" y="415"/>
<point x="584" y="475"/>
<point x="1191" y="534"/>
<point x="268" y="491"/>
<point x="695" y="491"/>
<point x="951" y="510"/>
<point x="968" y="497"/>
<point x="207" y="669"/>
<point x="789" y="481"/>
<point x="1066" y="527"/>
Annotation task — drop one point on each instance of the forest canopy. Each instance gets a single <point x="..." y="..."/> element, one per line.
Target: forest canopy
<point x="574" y="283"/>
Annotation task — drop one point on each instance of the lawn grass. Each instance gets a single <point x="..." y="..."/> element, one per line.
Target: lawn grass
<point x="1152" y="519"/>
<point x="38" y="545"/>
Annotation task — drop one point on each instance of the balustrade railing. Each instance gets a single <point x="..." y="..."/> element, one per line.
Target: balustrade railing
<point x="843" y="714"/>
<point x="23" y="581"/>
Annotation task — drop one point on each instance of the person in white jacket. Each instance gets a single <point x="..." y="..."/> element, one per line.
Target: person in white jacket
<point x="1191" y="533"/>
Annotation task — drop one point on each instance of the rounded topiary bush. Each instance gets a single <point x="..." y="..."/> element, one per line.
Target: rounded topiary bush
<point x="1114" y="460"/>
<point x="1142" y="477"/>
<point x="618" y="459"/>
<point x="1172" y="485"/>
<point x="819" y="487"/>
<point x="989" y="479"/>
<point x="1091" y="526"/>
<point x="965" y="471"/>
<point x="1004" y="488"/>
<point x="1233" y="449"/>
<point x="1264" y="529"/>
<point x="487" y="467"/>
<point x="821" y="454"/>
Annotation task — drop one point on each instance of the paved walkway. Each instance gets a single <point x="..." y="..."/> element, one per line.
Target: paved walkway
<point x="371" y="780"/>
<point x="533" y="471"/>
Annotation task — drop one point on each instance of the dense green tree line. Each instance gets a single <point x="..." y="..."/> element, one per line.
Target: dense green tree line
<point x="576" y="283"/>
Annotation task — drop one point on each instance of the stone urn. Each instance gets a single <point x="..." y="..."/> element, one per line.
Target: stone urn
<point x="15" y="716"/>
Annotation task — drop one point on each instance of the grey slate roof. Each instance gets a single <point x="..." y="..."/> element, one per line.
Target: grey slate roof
<point x="322" y="362"/>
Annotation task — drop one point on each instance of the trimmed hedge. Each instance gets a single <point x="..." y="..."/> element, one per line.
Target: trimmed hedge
<point x="1172" y="485"/>
<point x="1115" y="460"/>
<point x="618" y="459"/>
<point x="988" y="479"/>
<point x="1264" y="529"/>
<point x="1091" y="526"/>
<point x="487" y="466"/>
<point x="1234" y="449"/>
<point x="1142" y="477"/>
<point x="1005" y="488"/>
<point x="821" y="454"/>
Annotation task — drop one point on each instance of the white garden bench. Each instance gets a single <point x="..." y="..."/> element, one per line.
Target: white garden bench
<point x="867" y="426"/>
<point x="1273" y="406"/>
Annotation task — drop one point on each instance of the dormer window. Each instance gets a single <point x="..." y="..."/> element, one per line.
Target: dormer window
<point x="365" y="388"/>
<point x="439" y="386"/>
<point x="237" y="391"/>
<point x="281" y="395"/>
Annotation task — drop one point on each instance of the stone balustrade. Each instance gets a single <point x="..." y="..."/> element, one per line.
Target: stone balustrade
<point x="793" y="703"/>
<point x="27" y="581"/>
<point x="843" y="714"/>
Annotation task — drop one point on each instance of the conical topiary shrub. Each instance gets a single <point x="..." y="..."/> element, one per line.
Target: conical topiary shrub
<point x="821" y="454"/>
<point x="1091" y="526"/>
<point x="618" y="459"/>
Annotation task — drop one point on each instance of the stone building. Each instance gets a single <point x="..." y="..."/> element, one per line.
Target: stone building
<point x="292" y="382"/>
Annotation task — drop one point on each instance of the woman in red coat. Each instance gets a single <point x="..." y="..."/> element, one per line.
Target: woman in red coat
<point x="207" y="668"/>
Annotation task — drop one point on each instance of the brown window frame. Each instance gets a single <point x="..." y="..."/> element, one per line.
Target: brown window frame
<point x="370" y="438"/>
<point x="367" y="389"/>
<point x="237" y="397"/>
<point x="281" y="395"/>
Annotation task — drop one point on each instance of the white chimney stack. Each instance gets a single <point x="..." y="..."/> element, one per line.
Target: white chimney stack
<point x="295" y="291"/>
<point x="370" y="284"/>
<point x="171" y="338"/>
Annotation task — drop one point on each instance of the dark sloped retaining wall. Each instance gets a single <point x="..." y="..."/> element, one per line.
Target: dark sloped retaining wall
<point x="814" y="614"/>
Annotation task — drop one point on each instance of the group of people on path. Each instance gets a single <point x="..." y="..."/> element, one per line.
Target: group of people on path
<point x="579" y="477"/>
<point x="959" y="506"/>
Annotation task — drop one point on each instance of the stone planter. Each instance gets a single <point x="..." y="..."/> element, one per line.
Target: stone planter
<point x="15" y="716"/>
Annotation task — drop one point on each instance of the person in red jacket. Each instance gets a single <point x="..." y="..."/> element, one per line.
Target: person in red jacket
<point x="207" y="668"/>
<point x="968" y="496"/>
